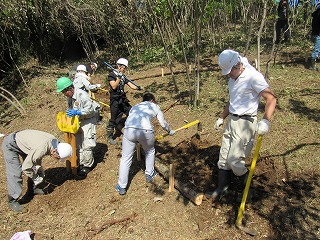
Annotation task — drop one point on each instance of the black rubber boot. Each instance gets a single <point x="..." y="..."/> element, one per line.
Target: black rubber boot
<point x="223" y="184"/>
<point x="14" y="205"/>
<point x="313" y="64"/>
<point x="110" y="136"/>
<point x="243" y="181"/>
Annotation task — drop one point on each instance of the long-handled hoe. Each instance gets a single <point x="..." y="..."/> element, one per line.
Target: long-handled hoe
<point x="239" y="225"/>
<point x="199" y="128"/>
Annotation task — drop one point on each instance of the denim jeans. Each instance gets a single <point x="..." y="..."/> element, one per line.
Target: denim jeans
<point x="316" y="48"/>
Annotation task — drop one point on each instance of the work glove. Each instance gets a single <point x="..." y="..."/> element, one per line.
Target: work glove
<point x="172" y="132"/>
<point x="119" y="74"/>
<point x="73" y="112"/>
<point x="98" y="85"/>
<point x="37" y="180"/>
<point x="38" y="170"/>
<point x="219" y="122"/>
<point x="263" y="127"/>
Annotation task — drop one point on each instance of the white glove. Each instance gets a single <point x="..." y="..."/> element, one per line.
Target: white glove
<point x="37" y="180"/>
<point x="219" y="122"/>
<point x="171" y="133"/>
<point x="263" y="127"/>
<point x="98" y="85"/>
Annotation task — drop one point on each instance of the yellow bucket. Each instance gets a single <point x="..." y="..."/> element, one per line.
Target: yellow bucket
<point x="68" y="124"/>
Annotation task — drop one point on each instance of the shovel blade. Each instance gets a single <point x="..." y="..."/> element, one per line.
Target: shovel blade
<point x="67" y="124"/>
<point x="247" y="230"/>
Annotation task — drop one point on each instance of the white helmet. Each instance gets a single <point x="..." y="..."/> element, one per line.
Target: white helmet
<point x="122" y="61"/>
<point x="96" y="65"/>
<point x="64" y="150"/>
<point x="227" y="59"/>
<point x="82" y="68"/>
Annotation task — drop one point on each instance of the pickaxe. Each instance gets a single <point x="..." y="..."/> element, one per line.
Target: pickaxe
<point x="110" y="66"/>
<point x="104" y="104"/>
<point x="199" y="128"/>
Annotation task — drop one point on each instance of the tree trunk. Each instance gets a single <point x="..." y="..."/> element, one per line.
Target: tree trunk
<point x="260" y="31"/>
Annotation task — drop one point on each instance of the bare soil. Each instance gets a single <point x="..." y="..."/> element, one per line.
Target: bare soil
<point x="286" y="178"/>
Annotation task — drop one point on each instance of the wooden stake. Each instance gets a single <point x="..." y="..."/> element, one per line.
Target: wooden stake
<point x="71" y="163"/>
<point x="74" y="164"/>
<point x="171" y="177"/>
<point x="162" y="72"/>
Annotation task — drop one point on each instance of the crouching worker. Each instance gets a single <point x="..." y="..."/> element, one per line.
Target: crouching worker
<point x="83" y="107"/>
<point x="139" y="129"/>
<point x="32" y="146"/>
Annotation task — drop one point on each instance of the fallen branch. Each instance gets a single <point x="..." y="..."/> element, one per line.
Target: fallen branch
<point x="16" y="105"/>
<point x="112" y="222"/>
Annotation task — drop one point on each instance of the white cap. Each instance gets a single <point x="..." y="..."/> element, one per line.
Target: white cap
<point x="64" y="150"/>
<point x="96" y="65"/>
<point x="122" y="61"/>
<point x="227" y="59"/>
<point x="82" y="68"/>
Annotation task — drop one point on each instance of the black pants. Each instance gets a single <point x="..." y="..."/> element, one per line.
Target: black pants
<point x="118" y="107"/>
<point x="282" y="25"/>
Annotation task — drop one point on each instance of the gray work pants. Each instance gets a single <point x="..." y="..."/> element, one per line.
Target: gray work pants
<point x="86" y="141"/>
<point x="131" y="137"/>
<point x="237" y="143"/>
<point x="11" y="154"/>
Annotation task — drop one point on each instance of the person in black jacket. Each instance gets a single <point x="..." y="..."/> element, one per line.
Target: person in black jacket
<point x="119" y="103"/>
<point x="282" y="22"/>
<point x="315" y="36"/>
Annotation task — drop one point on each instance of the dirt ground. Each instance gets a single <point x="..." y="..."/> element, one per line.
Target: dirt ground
<point x="286" y="179"/>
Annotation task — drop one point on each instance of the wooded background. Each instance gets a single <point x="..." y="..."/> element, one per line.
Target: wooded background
<point x="145" y="31"/>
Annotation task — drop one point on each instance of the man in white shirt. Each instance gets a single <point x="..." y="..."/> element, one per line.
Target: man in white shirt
<point x="246" y="86"/>
<point x="139" y="129"/>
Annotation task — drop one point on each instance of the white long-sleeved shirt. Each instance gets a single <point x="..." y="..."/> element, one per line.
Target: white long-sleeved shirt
<point x="81" y="80"/>
<point x="142" y="114"/>
<point x="35" y="144"/>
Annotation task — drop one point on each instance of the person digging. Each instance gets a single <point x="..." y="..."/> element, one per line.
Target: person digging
<point x="246" y="87"/>
<point x="31" y="146"/>
<point x="119" y="103"/>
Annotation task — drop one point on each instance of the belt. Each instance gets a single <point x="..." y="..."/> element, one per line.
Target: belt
<point x="241" y="116"/>
<point x="245" y="117"/>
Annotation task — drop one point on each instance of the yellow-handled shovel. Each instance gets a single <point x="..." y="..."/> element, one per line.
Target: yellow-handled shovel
<point x="239" y="225"/>
<point x="183" y="127"/>
<point x="102" y="103"/>
<point x="70" y="126"/>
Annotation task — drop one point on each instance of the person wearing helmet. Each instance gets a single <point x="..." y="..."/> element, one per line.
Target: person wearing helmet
<point x="85" y="108"/>
<point x="246" y="86"/>
<point x="31" y="146"/>
<point x="119" y="103"/>
<point x="82" y="80"/>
